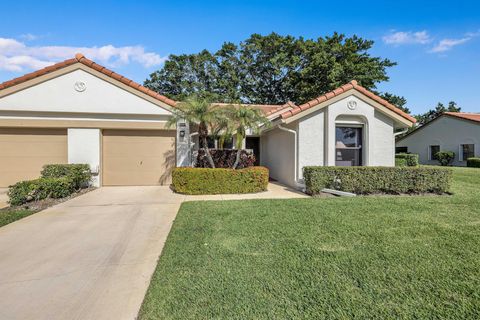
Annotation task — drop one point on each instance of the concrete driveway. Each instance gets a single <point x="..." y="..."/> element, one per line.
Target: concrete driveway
<point x="92" y="257"/>
<point x="88" y="258"/>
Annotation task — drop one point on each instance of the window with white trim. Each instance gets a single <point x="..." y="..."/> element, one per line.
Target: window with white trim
<point x="433" y="150"/>
<point x="466" y="151"/>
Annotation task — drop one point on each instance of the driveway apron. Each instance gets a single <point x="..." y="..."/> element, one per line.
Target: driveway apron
<point x="88" y="258"/>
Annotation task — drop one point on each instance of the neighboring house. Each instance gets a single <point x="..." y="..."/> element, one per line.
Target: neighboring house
<point x="77" y="111"/>
<point x="452" y="131"/>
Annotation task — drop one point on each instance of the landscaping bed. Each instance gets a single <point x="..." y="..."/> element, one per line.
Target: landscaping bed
<point x="389" y="257"/>
<point x="57" y="183"/>
<point x="14" y="213"/>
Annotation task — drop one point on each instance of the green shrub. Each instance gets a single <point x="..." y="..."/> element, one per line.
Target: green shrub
<point x="219" y="181"/>
<point x="371" y="180"/>
<point x="20" y="192"/>
<point x="406" y="160"/>
<point x="473" y="162"/>
<point x="38" y="189"/>
<point x="80" y="174"/>
<point x="445" y="157"/>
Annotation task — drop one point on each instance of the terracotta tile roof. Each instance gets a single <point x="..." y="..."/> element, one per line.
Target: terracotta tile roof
<point x="265" y="108"/>
<point x="288" y="105"/>
<point x="80" y="58"/>
<point x="349" y="86"/>
<point x="465" y="115"/>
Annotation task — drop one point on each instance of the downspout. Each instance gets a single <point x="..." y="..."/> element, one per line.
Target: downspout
<point x="297" y="183"/>
<point x="400" y="132"/>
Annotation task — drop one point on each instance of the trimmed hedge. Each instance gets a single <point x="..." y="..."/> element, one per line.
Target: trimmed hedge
<point x="374" y="180"/>
<point x="225" y="158"/>
<point x="80" y="174"/>
<point x="473" y="162"/>
<point x="219" y="180"/>
<point x="406" y="160"/>
<point x="39" y="189"/>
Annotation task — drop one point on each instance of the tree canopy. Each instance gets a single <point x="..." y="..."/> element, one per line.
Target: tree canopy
<point x="437" y="111"/>
<point x="272" y="69"/>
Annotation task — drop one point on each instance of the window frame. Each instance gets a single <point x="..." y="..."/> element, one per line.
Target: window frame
<point x="461" y="154"/>
<point x="396" y="148"/>
<point x="360" y="137"/>
<point x="431" y="156"/>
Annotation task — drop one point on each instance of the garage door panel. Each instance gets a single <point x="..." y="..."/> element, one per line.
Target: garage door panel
<point x="19" y="163"/>
<point x="33" y="149"/>
<point x="143" y="149"/>
<point x="136" y="157"/>
<point x="25" y="151"/>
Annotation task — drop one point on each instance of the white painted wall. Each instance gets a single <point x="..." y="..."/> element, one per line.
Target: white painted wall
<point x="59" y="95"/>
<point x="379" y="144"/>
<point x="84" y="147"/>
<point x="447" y="132"/>
<point x="316" y="140"/>
<point x="277" y="150"/>
<point x="311" y="139"/>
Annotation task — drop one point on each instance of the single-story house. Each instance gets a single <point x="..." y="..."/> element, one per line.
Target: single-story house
<point x="452" y="131"/>
<point x="78" y="111"/>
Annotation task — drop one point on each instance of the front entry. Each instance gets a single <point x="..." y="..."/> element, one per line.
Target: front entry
<point x="253" y="143"/>
<point x="348" y="146"/>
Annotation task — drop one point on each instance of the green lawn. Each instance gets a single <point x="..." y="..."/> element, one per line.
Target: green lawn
<point x="336" y="258"/>
<point x="8" y="216"/>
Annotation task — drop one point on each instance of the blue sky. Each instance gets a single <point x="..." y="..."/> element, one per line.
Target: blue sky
<point x="436" y="43"/>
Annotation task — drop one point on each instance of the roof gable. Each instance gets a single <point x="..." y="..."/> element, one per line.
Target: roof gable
<point x="80" y="59"/>
<point x="353" y="85"/>
<point x="473" y="118"/>
<point x="96" y="95"/>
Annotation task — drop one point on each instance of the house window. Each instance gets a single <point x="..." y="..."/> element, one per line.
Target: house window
<point x="228" y="143"/>
<point x="467" y="151"/>
<point x="401" y="150"/>
<point x="433" y="152"/>
<point x="348" y="146"/>
<point x="211" y="142"/>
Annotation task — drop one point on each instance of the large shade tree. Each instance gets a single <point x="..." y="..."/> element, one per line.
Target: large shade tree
<point x="272" y="69"/>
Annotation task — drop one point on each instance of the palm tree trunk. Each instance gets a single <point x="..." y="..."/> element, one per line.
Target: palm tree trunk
<point x="207" y="153"/>
<point x="203" y="134"/>
<point x="239" y="143"/>
<point x="237" y="159"/>
<point x="221" y="142"/>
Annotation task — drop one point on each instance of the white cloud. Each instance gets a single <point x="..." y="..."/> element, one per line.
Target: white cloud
<point x="17" y="56"/>
<point x="408" y="37"/>
<point x="447" y="44"/>
<point x="29" y="37"/>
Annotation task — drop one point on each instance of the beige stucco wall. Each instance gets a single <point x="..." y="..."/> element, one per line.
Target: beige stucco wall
<point x="53" y="102"/>
<point x="277" y="149"/>
<point x="447" y="132"/>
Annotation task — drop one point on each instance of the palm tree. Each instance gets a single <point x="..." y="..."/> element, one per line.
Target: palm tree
<point x="223" y="128"/>
<point x="245" y="118"/>
<point x="201" y="113"/>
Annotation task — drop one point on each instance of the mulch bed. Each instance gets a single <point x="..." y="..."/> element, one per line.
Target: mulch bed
<point x="46" y="203"/>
